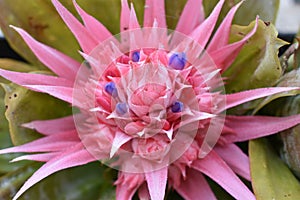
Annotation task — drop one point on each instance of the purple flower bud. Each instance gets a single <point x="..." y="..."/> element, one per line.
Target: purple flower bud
<point x="177" y="61"/>
<point x="111" y="89"/>
<point x="177" y="107"/>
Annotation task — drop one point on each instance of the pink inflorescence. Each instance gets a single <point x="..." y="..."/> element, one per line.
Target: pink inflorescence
<point x="152" y="104"/>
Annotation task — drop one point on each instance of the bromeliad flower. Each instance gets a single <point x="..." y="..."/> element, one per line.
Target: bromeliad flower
<point x="151" y="104"/>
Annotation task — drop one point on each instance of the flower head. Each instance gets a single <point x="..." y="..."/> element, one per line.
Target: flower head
<point x="151" y="104"/>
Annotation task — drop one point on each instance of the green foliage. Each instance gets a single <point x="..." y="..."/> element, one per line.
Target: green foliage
<point x="257" y="65"/>
<point x="25" y="106"/>
<point x="266" y="9"/>
<point x="271" y="178"/>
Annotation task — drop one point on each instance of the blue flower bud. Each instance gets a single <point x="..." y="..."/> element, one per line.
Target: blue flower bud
<point x="121" y="108"/>
<point x="135" y="56"/>
<point x="177" y="61"/>
<point x="111" y="89"/>
<point x="177" y="107"/>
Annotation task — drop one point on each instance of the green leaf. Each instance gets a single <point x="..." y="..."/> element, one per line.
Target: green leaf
<point x="271" y="178"/>
<point x="5" y="165"/>
<point x="41" y="20"/>
<point x="266" y="9"/>
<point x="90" y="181"/>
<point x="24" y="106"/>
<point x="291" y="148"/>
<point x="11" y="182"/>
<point x="257" y="65"/>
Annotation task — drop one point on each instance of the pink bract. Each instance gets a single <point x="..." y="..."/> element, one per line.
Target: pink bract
<point x="152" y="104"/>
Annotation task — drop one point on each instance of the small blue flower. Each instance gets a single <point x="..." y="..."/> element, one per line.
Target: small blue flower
<point x="111" y="89"/>
<point x="121" y="108"/>
<point x="177" y="61"/>
<point x="177" y="107"/>
<point x="135" y="56"/>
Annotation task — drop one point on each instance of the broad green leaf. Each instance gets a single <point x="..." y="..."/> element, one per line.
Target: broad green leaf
<point x="266" y="9"/>
<point x="291" y="137"/>
<point x="290" y="79"/>
<point x="11" y="182"/>
<point x="24" y="106"/>
<point x="271" y="178"/>
<point x="257" y="65"/>
<point x="91" y="181"/>
<point x="173" y="12"/>
<point x="291" y="148"/>
<point x="41" y="20"/>
<point x="5" y="165"/>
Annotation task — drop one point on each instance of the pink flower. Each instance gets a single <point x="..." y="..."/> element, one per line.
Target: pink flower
<point x="151" y="104"/>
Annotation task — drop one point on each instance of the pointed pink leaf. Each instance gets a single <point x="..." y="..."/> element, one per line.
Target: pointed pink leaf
<point x="124" y="193"/>
<point x="235" y="158"/>
<point x="60" y="92"/>
<point x="144" y="192"/>
<point x="50" y="143"/>
<point x="192" y="15"/>
<point x="252" y="127"/>
<point x="85" y="39"/>
<point x="235" y="99"/>
<point x="93" y="25"/>
<point x="34" y="79"/>
<point x="125" y="16"/>
<point x="133" y="22"/>
<point x="54" y="126"/>
<point x="75" y="156"/>
<point x="221" y="36"/>
<point x="157" y="182"/>
<point x="56" y="61"/>
<point x="203" y="32"/>
<point x="215" y="168"/>
<point x="155" y="10"/>
<point x="195" y="186"/>
<point x="43" y="157"/>
<point x="119" y="140"/>
<point x="224" y="56"/>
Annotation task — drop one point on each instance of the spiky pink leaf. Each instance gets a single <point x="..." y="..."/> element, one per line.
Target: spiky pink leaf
<point x="125" y="16"/>
<point x="195" y="186"/>
<point x="202" y="33"/>
<point x="224" y="56"/>
<point x="34" y="79"/>
<point x="60" y="92"/>
<point x="155" y="11"/>
<point x="215" y="168"/>
<point x="54" y="126"/>
<point x="144" y="192"/>
<point x="119" y="139"/>
<point x="192" y="15"/>
<point x="133" y="21"/>
<point x="95" y="28"/>
<point x="221" y="36"/>
<point x="42" y="157"/>
<point x="157" y="182"/>
<point x="252" y="127"/>
<point x="235" y="99"/>
<point x="85" y="39"/>
<point x="124" y="193"/>
<point x="46" y="144"/>
<point x="235" y="158"/>
<point x="74" y="156"/>
<point x="56" y="61"/>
